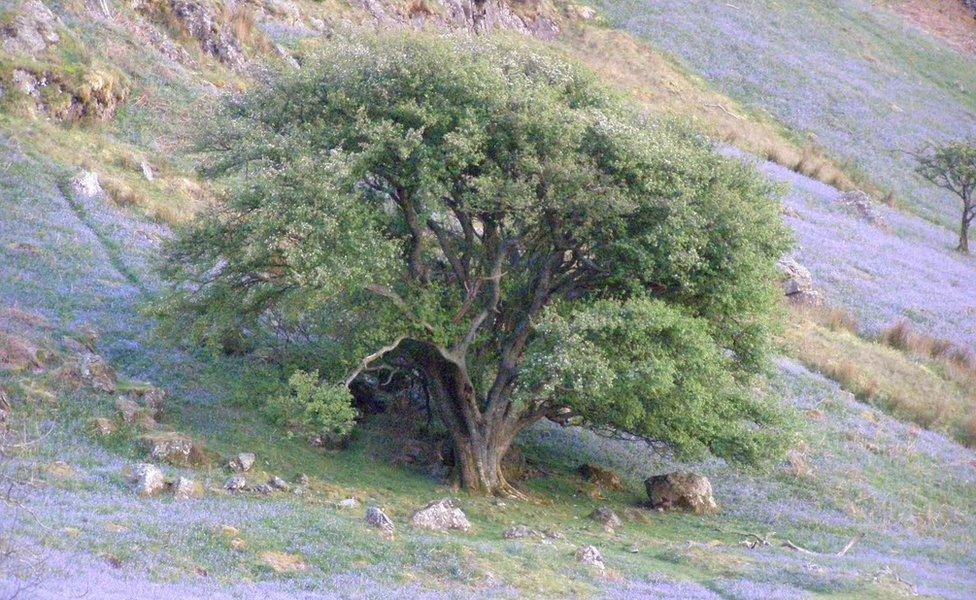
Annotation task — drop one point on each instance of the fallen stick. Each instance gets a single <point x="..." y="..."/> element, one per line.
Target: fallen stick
<point x="844" y="550"/>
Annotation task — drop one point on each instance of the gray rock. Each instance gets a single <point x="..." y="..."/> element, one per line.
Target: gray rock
<point x="279" y="484"/>
<point x="243" y="462"/>
<point x="145" y="479"/>
<point x="236" y="483"/>
<point x="375" y="517"/>
<point x="349" y="503"/>
<point x="441" y="515"/>
<point x="681" y="490"/>
<point x="170" y="446"/>
<point x="86" y="185"/>
<point x="798" y="283"/>
<point x="590" y="556"/>
<point x="863" y="207"/>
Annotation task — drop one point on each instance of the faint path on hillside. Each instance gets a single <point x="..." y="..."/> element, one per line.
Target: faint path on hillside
<point x="906" y="270"/>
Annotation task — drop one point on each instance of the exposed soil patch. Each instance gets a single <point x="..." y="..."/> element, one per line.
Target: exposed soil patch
<point x="950" y="20"/>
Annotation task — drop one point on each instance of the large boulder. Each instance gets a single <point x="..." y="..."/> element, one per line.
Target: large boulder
<point x="145" y="479"/>
<point x="681" y="490"/>
<point x="798" y="283"/>
<point x="441" y="515"/>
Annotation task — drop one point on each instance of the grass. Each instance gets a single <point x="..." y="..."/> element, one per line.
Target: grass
<point x="902" y="373"/>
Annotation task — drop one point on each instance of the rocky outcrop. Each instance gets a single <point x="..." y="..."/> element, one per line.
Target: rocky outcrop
<point x="681" y="490"/>
<point x="201" y="21"/>
<point x="442" y="515"/>
<point x="94" y="95"/>
<point x="32" y="30"/>
<point x="798" y="283"/>
<point x="478" y="16"/>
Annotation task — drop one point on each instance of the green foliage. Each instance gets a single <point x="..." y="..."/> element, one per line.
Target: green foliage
<point x="648" y="367"/>
<point x="951" y="166"/>
<point x="498" y="209"/>
<point x="322" y="407"/>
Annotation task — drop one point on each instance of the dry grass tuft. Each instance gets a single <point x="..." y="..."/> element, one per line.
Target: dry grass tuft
<point x="920" y="379"/>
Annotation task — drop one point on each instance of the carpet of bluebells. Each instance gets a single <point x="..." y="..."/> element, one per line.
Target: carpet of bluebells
<point x="854" y="78"/>
<point x="910" y="492"/>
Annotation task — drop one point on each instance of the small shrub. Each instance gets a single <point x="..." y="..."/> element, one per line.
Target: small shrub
<point x="324" y="408"/>
<point x="899" y="336"/>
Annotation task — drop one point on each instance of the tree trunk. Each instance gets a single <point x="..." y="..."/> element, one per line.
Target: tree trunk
<point x="964" y="234"/>
<point x="479" y="464"/>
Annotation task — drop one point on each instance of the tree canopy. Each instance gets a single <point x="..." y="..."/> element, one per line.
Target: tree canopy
<point x="484" y="218"/>
<point x="952" y="167"/>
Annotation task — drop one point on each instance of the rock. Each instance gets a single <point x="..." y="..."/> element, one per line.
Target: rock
<point x="263" y="488"/>
<point x="349" y="503"/>
<point x="681" y="490"/>
<point x="151" y="398"/>
<point x="590" y="556"/>
<point x="133" y="414"/>
<point x="147" y="171"/>
<point x="243" y="462"/>
<point x="375" y="517"/>
<point x="86" y="186"/>
<point x="187" y="489"/>
<point x="202" y="22"/>
<point x="798" y="283"/>
<point x="520" y="532"/>
<point x="31" y="30"/>
<point x="284" y="563"/>
<point x="441" y="515"/>
<point x="606" y="517"/>
<point x="279" y="484"/>
<point x="303" y="479"/>
<point x="863" y="206"/>
<point x="582" y="12"/>
<point x="236" y="483"/>
<point x="605" y="478"/>
<point x="102" y="426"/>
<point x="146" y="479"/>
<point x="172" y="447"/>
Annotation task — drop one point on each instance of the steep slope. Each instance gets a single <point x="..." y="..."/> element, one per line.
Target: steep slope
<point x="855" y="77"/>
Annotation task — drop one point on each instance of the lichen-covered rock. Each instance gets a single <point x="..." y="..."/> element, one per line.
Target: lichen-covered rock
<point x="187" y="489"/>
<point x="133" y="414"/>
<point x="441" y="515"/>
<point x="798" y="283"/>
<point x="172" y="447"/>
<point x="31" y="30"/>
<point x="202" y="22"/>
<point x="375" y="517"/>
<point x="681" y="490"/>
<point x="279" y="484"/>
<point x="149" y="397"/>
<point x="243" y="462"/>
<point x="590" y="556"/>
<point x="145" y="479"/>
<point x="606" y="517"/>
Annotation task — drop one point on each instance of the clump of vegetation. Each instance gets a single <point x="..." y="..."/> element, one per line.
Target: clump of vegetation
<point x="325" y="409"/>
<point x="483" y="218"/>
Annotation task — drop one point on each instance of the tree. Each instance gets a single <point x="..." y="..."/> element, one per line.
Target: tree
<point x="483" y="218"/>
<point x="952" y="167"/>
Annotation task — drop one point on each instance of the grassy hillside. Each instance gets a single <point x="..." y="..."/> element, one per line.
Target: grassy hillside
<point x="852" y="76"/>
